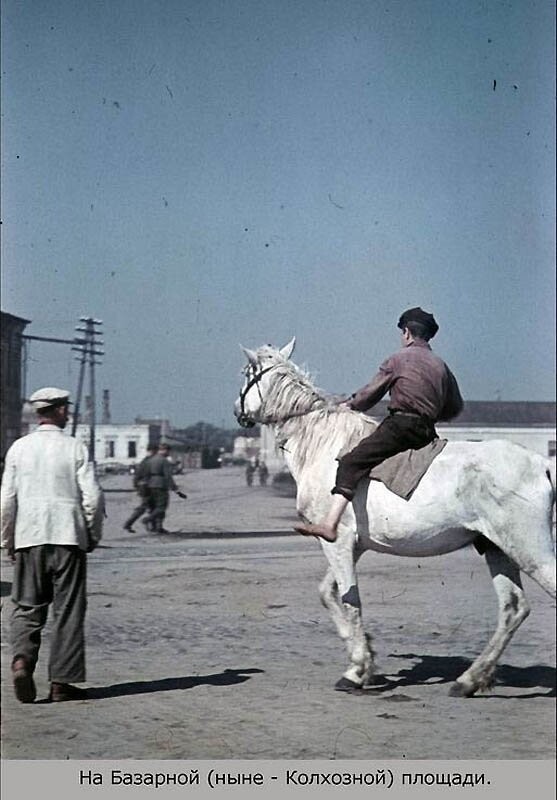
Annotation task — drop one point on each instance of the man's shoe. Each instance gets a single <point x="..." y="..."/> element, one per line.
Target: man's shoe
<point x="128" y="527"/>
<point x="63" y="692"/>
<point x="24" y="685"/>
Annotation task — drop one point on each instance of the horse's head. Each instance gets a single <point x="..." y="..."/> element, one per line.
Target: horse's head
<point x="258" y="376"/>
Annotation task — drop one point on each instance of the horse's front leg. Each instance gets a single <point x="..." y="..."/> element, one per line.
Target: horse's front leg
<point x="339" y="594"/>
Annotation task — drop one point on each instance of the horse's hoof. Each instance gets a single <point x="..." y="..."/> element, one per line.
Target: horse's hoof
<point x="375" y="680"/>
<point x="460" y="690"/>
<point x="346" y="685"/>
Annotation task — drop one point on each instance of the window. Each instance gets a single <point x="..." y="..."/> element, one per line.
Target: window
<point x="132" y="449"/>
<point x="552" y="448"/>
<point x="109" y="448"/>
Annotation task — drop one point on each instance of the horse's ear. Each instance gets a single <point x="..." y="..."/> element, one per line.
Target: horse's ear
<point x="288" y="349"/>
<point x="252" y="358"/>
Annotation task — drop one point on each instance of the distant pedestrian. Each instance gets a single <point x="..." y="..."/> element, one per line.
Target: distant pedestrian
<point x="160" y="481"/>
<point x="263" y="473"/>
<point x="52" y="514"/>
<point x="141" y="484"/>
<point x="250" y="472"/>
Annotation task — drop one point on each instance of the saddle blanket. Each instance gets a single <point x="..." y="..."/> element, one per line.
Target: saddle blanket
<point x="402" y="473"/>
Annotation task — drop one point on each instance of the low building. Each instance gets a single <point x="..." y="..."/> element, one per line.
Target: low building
<point x="119" y="446"/>
<point x="11" y="378"/>
<point x="530" y="424"/>
<point x="246" y="448"/>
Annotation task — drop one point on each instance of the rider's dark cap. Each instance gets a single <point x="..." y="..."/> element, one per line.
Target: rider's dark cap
<point x="49" y="397"/>
<point x="421" y="316"/>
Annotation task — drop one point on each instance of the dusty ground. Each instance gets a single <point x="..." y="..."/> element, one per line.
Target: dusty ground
<point x="204" y="646"/>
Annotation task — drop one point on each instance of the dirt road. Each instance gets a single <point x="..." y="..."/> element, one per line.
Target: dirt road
<point x="211" y="646"/>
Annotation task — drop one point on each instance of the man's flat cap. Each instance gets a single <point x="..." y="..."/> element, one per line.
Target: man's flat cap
<point x="49" y="397"/>
<point x="421" y="316"/>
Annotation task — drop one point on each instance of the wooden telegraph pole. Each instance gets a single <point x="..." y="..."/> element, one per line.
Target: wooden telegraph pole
<point x="86" y="346"/>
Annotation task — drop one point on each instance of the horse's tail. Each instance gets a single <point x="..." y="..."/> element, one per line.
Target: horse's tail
<point x="550" y="472"/>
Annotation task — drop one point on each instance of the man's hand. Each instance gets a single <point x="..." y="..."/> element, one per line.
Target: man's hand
<point x="10" y="553"/>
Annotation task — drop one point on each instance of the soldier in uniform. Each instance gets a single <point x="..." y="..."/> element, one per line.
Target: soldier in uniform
<point x="141" y="484"/>
<point x="158" y="472"/>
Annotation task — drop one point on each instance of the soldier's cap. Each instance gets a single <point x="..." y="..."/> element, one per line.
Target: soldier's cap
<point x="421" y="316"/>
<point x="49" y="397"/>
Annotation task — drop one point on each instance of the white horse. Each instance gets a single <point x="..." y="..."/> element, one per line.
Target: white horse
<point x="495" y="493"/>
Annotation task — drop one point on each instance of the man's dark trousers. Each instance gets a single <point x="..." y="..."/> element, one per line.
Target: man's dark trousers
<point x="160" y="504"/>
<point x="44" y="575"/>
<point x="397" y="432"/>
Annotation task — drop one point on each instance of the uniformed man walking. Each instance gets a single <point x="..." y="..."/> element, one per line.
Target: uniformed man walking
<point x="141" y="484"/>
<point x="52" y="514"/>
<point x="160" y="481"/>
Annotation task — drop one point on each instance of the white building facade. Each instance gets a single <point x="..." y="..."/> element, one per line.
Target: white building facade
<point x="531" y="425"/>
<point x="118" y="445"/>
<point x="539" y="439"/>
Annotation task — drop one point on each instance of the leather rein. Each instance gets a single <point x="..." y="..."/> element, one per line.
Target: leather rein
<point x="243" y="418"/>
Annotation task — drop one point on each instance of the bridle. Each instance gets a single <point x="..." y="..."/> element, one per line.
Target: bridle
<point x="243" y="418"/>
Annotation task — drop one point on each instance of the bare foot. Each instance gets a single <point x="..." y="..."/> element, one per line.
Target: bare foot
<point x="321" y="531"/>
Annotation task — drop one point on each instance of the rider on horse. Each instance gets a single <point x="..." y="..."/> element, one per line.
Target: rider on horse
<point x="422" y="390"/>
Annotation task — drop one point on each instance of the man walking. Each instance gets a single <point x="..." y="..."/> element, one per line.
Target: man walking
<point x="158" y="472"/>
<point x="422" y="390"/>
<point x="52" y="513"/>
<point x="141" y="484"/>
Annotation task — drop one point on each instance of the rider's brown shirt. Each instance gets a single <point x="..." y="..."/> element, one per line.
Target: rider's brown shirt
<point x="418" y="382"/>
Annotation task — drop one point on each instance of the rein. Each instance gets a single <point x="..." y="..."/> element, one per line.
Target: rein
<point x="254" y="381"/>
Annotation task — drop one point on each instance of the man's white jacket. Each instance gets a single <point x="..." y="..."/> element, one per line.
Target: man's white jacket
<point x="50" y="494"/>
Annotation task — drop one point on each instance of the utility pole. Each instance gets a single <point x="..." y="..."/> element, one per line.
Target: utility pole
<point x="77" y="406"/>
<point x="106" y="407"/>
<point x="87" y="346"/>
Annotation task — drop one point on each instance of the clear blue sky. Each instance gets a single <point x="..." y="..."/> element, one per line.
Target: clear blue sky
<point x="200" y="173"/>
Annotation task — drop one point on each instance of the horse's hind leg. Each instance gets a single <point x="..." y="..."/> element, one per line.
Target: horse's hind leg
<point x="513" y="610"/>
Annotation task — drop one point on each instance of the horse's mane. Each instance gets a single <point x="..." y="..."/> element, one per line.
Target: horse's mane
<point x="292" y="396"/>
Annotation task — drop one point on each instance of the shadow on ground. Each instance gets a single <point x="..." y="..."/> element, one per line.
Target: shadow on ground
<point x="230" y="677"/>
<point x="446" y="669"/>
<point x="177" y="535"/>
